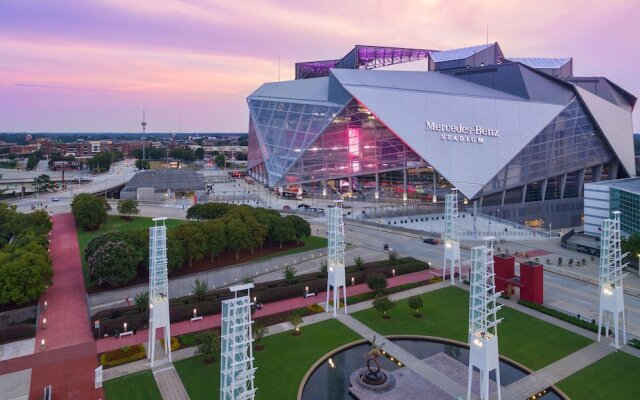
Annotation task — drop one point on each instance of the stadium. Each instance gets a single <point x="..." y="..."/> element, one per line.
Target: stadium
<point x="517" y="137"/>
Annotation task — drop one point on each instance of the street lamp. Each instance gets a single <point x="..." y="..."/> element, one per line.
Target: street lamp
<point x="638" y="264"/>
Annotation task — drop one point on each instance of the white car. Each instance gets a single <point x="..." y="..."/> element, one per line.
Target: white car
<point x="55" y="199"/>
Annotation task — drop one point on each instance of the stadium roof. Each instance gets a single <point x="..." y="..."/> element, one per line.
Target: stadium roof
<point x="539" y="62"/>
<point x="166" y="179"/>
<point x="457" y="54"/>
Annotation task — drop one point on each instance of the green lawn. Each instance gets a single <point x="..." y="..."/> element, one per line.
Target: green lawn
<point x="138" y="386"/>
<point x="613" y="377"/>
<point x="281" y="366"/>
<point x="527" y="340"/>
<point x="310" y="243"/>
<point x="115" y="223"/>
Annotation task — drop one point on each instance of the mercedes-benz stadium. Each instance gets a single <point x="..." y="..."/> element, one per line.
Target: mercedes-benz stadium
<point x="519" y="137"/>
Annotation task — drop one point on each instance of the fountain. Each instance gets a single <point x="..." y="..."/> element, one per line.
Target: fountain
<point x="371" y="379"/>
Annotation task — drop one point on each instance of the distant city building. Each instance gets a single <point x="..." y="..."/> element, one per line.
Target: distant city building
<point x="519" y="137"/>
<point x="601" y="199"/>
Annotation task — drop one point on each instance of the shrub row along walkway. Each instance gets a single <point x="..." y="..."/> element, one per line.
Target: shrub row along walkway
<point x="213" y="321"/>
<point x="69" y="356"/>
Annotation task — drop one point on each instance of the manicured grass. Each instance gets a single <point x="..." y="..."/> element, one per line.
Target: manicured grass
<point x="138" y="386"/>
<point x="613" y="377"/>
<point x="281" y="365"/>
<point x="310" y="243"/>
<point x="527" y="340"/>
<point x="115" y="223"/>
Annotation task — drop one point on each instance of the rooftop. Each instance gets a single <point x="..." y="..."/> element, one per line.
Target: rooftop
<point x="628" y="184"/>
<point x="166" y="179"/>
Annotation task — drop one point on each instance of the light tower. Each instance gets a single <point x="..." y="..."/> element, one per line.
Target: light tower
<point x="144" y="128"/>
<point x="451" y="243"/>
<point x="483" y="322"/>
<point x="236" y="349"/>
<point x="335" y="258"/>
<point x="158" y="288"/>
<point x="611" y="291"/>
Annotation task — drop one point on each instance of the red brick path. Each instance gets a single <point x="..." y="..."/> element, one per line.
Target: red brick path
<point x="69" y="357"/>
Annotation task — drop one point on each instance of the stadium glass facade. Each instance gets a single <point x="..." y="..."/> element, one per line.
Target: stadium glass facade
<point x="512" y="137"/>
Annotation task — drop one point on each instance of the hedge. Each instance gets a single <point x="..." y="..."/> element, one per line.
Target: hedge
<point x="181" y="309"/>
<point x="124" y="355"/>
<point x="572" y="319"/>
<point x="16" y="332"/>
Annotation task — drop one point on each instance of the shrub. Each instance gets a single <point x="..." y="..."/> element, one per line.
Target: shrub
<point x="208" y="343"/>
<point x="259" y="331"/>
<point x="113" y="264"/>
<point x="383" y="304"/>
<point x="89" y="211"/>
<point x="359" y="263"/>
<point x="393" y="256"/>
<point x="289" y="273"/>
<point x="572" y="319"/>
<point x="377" y="283"/>
<point x="295" y="320"/>
<point x="323" y="267"/>
<point x="121" y="356"/>
<point x="127" y="208"/>
<point x="187" y="340"/>
<point x="175" y="343"/>
<point x="142" y="301"/>
<point x="415" y="303"/>
<point x="17" y="332"/>
<point x="199" y="289"/>
<point x="315" y="308"/>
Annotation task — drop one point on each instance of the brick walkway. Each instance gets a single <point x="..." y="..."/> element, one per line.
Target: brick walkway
<point x="69" y="357"/>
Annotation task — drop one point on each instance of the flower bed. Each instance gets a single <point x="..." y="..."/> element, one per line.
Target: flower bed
<point x="123" y="355"/>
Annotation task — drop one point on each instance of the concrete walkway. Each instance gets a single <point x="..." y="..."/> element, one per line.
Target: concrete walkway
<point x="169" y="383"/>
<point x="559" y="370"/>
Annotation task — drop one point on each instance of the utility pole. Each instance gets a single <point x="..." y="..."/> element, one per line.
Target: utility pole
<point x="144" y="127"/>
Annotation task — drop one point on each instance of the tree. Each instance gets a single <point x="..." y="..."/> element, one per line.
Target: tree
<point x="359" y="263"/>
<point x="208" y="343"/>
<point x="89" y="211"/>
<point x="393" y="256"/>
<point x="113" y="264"/>
<point x="199" y="153"/>
<point x="259" y="332"/>
<point x="127" y="208"/>
<point x="383" y="304"/>
<point x="219" y="160"/>
<point x="415" y="303"/>
<point x="323" y="267"/>
<point x="199" y="289"/>
<point x="300" y="226"/>
<point x="631" y="245"/>
<point x="175" y="254"/>
<point x="24" y="273"/>
<point x="289" y="273"/>
<point x="283" y="231"/>
<point x="216" y="238"/>
<point x="143" y="164"/>
<point x="183" y="154"/>
<point x="42" y="182"/>
<point x="208" y="211"/>
<point x="377" y="283"/>
<point x="142" y="301"/>
<point x="295" y="320"/>
<point x="193" y="241"/>
<point x="257" y="231"/>
<point x="238" y="236"/>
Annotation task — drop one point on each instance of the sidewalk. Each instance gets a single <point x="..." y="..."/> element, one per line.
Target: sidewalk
<point x="213" y="321"/>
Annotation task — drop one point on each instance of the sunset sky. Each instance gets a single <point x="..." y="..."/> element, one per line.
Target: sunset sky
<point x="94" y="65"/>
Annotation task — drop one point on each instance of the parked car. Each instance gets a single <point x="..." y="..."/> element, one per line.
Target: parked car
<point x="386" y="246"/>
<point x="302" y="205"/>
<point x="431" y="241"/>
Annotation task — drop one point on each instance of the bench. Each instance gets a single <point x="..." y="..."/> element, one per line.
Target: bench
<point x="127" y="333"/>
<point x="199" y="318"/>
<point x="310" y="294"/>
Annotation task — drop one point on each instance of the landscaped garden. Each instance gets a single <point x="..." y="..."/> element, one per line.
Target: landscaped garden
<point x="527" y="340"/>
<point x="280" y="366"/>
<point x="115" y="249"/>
